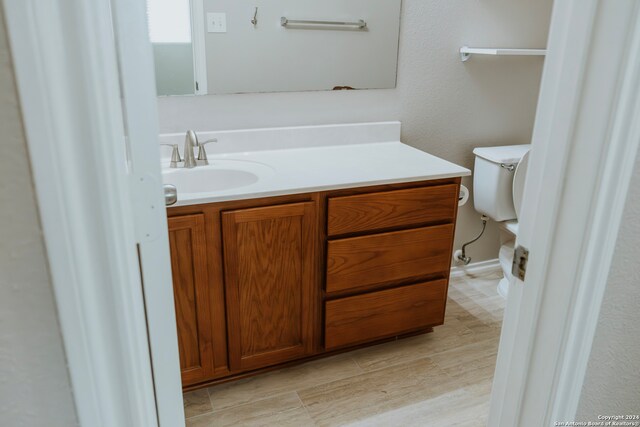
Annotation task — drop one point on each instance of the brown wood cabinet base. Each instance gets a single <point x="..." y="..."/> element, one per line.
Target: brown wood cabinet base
<point x="264" y="283"/>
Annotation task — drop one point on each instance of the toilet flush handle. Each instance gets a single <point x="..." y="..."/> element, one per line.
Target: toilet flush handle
<point x="508" y="166"/>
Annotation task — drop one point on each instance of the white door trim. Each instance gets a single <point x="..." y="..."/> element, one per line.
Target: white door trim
<point x="615" y="179"/>
<point x="141" y="116"/>
<point x="67" y="76"/>
<point x="584" y="144"/>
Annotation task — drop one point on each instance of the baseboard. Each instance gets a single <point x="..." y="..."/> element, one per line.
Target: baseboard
<point x="475" y="268"/>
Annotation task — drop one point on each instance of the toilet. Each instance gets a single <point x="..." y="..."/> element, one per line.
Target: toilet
<point x="498" y="184"/>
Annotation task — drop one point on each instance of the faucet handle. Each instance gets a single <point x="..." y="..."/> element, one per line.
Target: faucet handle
<point x="202" y="153"/>
<point x="175" y="155"/>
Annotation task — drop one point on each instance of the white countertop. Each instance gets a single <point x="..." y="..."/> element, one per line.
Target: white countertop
<point x="306" y="170"/>
<point x="318" y="168"/>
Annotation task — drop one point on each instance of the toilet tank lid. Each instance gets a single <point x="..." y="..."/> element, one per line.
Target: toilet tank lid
<point x="504" y="154"/>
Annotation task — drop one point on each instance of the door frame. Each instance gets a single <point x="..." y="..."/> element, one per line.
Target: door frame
<point x="585" y="143"/>
<point x="100" y="202"/>
<point x="139" y="102"/>
<point x="94" y="270"/>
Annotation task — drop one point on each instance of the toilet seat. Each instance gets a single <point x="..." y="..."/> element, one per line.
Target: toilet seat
<point x="518" y="182"/>
<point x="506" y="250"/>
<point x="519" y="177"/>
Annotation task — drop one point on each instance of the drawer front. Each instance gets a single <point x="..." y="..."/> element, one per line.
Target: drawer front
<point x="376" y="315"/>
<point x="361" y="262"/>
<point x="375" y="211"/>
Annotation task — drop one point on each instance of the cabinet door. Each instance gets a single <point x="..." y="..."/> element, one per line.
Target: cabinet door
<point x="191" y="297"/>
<point x="270" y="279"/>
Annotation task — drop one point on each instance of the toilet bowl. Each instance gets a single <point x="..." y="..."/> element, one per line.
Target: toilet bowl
<point x="498" y="182"/>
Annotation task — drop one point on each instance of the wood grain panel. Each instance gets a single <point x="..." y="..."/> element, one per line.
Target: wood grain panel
<point x="191" y="297"/>
<point x="279" y="326"/>
<point x="270" y="276"/>
<point x="256" y="242"/>
<point x="376" y="315"/>
<point x="389" y="209"/>
<point x="361" y="262"/>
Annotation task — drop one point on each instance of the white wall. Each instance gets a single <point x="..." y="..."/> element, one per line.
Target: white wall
<point x="612" y="382"/>
<point x="447" y="107"/>
<point x="271" y="58"/>
<point x="34" y="381"/>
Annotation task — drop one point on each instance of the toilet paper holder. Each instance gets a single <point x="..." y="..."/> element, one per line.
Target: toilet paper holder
<point x="463" y="196"/>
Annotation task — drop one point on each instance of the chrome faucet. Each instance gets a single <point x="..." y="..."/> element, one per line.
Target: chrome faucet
<point x="190" y="141"/>
<point x="175" y="155"/>
<point x="190" y="160"/>
<point x="202" y="153"/>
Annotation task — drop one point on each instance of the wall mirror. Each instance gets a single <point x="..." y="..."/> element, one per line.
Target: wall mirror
<point x="245" y="46"/>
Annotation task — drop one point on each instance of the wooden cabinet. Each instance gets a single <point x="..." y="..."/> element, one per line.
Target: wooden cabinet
<point x="381" y="314"/>
<point x="187" y="243"/>
<point x="388" y="209"/>
<point x="399" y="277"/>
<point x="270" y="269"/>
<point x="385" y="258"/>
<point x="268" y="281"/>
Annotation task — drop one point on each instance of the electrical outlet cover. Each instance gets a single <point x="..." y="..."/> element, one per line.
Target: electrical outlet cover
<point x="216" y="22"/>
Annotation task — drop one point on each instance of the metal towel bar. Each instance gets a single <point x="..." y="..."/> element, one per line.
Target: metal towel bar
<point x="360" y="24"/>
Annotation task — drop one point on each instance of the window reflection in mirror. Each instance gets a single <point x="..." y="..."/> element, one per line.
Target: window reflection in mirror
<point x="170" y="35"/>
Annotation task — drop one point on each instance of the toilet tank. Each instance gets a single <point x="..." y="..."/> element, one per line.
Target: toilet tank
<point x="493" y="180"/>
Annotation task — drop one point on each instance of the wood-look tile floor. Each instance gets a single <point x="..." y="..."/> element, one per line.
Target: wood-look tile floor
<point x="438" y="379"/>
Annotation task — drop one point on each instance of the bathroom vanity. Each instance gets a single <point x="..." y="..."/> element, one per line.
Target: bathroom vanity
<point x="268" y="273"/>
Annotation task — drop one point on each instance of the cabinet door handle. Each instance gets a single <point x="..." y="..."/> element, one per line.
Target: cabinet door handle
<point x="170" y="194"/>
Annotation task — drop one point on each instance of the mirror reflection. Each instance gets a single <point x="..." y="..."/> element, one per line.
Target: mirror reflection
<point x="212" y="46"/>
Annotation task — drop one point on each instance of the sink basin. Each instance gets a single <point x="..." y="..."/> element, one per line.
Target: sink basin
<point x="219" y="175"/>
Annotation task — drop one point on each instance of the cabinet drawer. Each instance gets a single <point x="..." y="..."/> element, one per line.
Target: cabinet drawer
<point x="376" y="315"/>
<point x="360" y="262"/>
<point x="375" y="211"/>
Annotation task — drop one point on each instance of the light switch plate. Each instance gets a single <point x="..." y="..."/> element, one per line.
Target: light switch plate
<point x="216" y="22"/>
